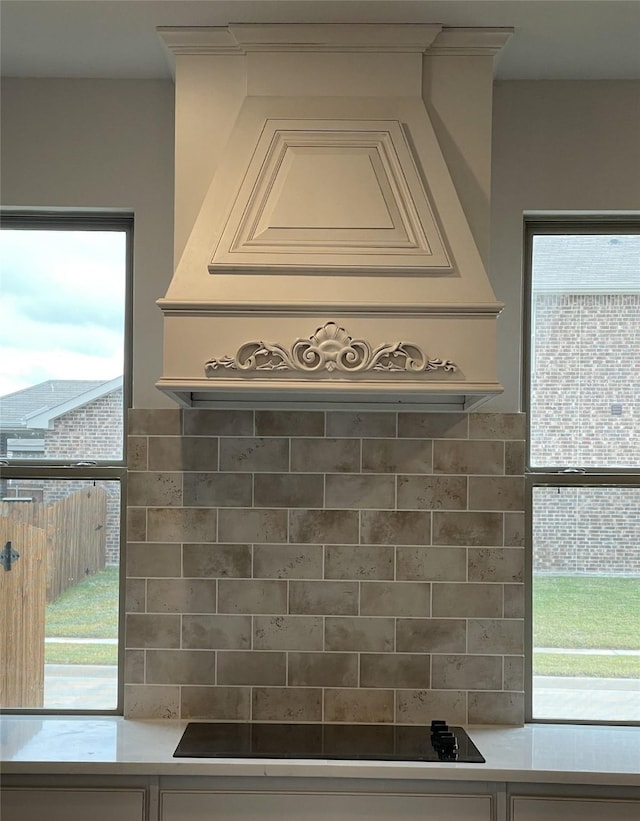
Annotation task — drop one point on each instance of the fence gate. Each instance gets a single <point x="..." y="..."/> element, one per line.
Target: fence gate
<point x="23" y="579"/>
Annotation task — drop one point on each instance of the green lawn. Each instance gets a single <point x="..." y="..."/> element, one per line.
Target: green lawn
<point x="586" y="612"/>
<point x="87" y="610"/>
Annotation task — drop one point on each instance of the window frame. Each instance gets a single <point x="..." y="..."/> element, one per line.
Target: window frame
<point x="102" y="469"/>
<point x="574" y="476"/>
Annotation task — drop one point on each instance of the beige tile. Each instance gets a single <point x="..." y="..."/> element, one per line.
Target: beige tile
<point x="513" y="667"/>
<point x="496" y="493"/>
<point x="514" y="601"/>
<point x="358" y="491"/>
<point x="433" y="425"/>
<point x="323" y="598"/>
<point x="254" y="454"/>
<point x="467" y="528"/>
<point x="394" y="670"/>
<point x="217" y="489"/>
<point x="155" y="422"/>
<point x="181" y="667"/>
<point x="135" y="595"/>
<point x="432" y="492"/>
<point x="137" y="452"/>
<point x="153" y="559"/>
<point x="466" y="600"/>
<point x="325" y="455"/>
<point x="288" y="490"/>
<point x="183" y="453"/>
<point x="431" y="635"/>
<point x="286" y="704"/>
<point x="496" y="564"/>
<point x="289" y="423"/>
<point x="323" y="670"/>
<point x="287" y="561"/>
<point x="152" y="630"/>
<point x="143" y="701"/>
<point x="154" y="489"/>
<point x="468" y="457"/>
<point x="251" y="668"/>
<point x="181" y="596"/>
<point x="496" y="636"/>
<point x="137" y="524"/>
<point x="134" y="667"/>
<point x="189" y="524"/>
<point x="395" y="527"/>
<point x="288" y="633"/>
<point x="211" y="422"/>
<point x="514" y="529"/>
<point x="322" y="527"/>
<point x="209" y="632"/>
<point x="359" y="706"/>
<point x="348" y="423"/>
<point x="357" y="562"/>
<point x="246" y="525"/>
<point x="424" y="564"/>
<point x="496" y="708"/>
<point x="394" y="599"/>
<point x="251" y="596"/>
<point x="514" y="458"/>
<point x="359" y="633"/>
<point x="497" y="426"/>
<point x="420" y="706"/>
<point x="216" y="703"/>
<point x="397" y="456"/>
<point x="458" y="672"/>
<point x="216" y="561"/>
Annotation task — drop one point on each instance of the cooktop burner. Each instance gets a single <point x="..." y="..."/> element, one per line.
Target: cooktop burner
<point x="332" y="741"/>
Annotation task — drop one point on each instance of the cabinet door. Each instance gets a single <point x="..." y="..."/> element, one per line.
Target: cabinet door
<point x="207" y="806"/>
<point x="573" y="809"/>
<point x="36" y="804"/>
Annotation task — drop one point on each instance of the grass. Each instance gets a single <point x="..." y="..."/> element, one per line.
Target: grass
<point x="578" y="664"/>
<point x="89" y="610"/>
<point x="586" y="613"/>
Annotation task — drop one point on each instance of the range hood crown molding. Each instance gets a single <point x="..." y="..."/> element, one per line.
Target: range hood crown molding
<point x="241" y="38"/>
<point x="330" y="211"/>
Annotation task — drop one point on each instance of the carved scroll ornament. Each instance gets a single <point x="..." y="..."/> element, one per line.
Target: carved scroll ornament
<point x="329" y="349"/>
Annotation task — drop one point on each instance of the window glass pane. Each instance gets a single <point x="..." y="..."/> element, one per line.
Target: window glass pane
<point x="586" y="603"/>
<point x="59" y="594"/>
<point x="62" y="343"/>
<point x="585" y="378"/>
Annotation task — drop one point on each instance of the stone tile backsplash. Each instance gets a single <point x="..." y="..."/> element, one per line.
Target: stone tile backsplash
<point x="325" y="566"/>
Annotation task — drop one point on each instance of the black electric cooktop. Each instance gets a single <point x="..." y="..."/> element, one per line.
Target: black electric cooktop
<point x="437" y="742"/>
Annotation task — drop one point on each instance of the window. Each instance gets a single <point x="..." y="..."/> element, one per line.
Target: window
<point x="583" y="399"/>
<point x="64" y="389"/>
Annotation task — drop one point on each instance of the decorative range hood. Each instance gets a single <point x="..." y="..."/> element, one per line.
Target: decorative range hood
<point x="331" y="263"/>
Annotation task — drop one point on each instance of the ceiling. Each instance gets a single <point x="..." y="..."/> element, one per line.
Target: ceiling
<point x="553" y="39"/>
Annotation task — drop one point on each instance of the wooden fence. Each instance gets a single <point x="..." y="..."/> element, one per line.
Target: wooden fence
<point x="22" y="604"/>
<point x="74" y="531"/>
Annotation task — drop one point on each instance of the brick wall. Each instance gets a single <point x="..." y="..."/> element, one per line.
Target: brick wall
<point x="587" y="348"/>
<point x="92" y="432"/>
<point x="332" y="566"/>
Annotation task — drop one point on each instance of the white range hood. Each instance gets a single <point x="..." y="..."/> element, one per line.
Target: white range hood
<point x="331" y="262"/>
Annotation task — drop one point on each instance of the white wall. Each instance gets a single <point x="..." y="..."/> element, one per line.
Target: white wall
<point x="103" y="144"/>
<point x="557" y="146"/>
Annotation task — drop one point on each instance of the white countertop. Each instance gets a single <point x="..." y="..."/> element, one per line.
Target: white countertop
<point x="543" y="753"/>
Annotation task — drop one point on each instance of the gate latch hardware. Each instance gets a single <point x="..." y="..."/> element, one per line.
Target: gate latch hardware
<point x="8" y="556"/>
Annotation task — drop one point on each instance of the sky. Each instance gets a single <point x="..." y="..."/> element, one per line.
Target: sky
<point x="62" y="297"/>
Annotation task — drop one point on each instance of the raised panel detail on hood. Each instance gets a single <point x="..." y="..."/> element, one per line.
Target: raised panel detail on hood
<point x="331" y="194"/>
<point x="330" y="214"/>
